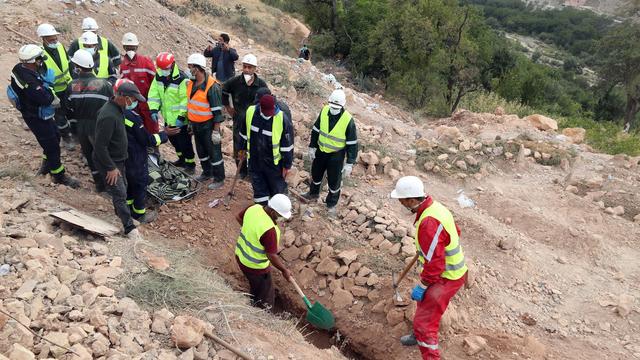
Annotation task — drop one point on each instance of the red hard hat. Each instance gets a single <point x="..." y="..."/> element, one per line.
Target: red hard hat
<point x="164" y="60"/>
<point x="120" y="82"/>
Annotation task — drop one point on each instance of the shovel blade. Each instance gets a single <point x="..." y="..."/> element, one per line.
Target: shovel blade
<point x="320" y="317"/>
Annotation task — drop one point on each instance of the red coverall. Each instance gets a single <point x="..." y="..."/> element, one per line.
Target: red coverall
<point x="141" y="70"/>
<point x="426" y="321"/>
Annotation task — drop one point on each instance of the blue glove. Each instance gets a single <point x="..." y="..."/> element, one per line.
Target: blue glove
<point x="417" y="293"/>
<point x="154" y="117"/>
<point x="49" y="77"/>
<point x="180" y="121"/>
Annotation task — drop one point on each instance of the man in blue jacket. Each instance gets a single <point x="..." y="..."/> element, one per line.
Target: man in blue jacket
<point x="36" y="100"/>
<point x="223" y="58"/>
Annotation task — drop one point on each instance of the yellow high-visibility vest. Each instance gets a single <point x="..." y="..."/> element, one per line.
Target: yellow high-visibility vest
<point x="249" y="250"/>
<point x="336" y="139"/>
<point x="62" y="75"/>
<point x="277" y="128"/>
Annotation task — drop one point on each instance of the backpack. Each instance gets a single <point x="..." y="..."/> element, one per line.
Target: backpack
<point x="13" y="98"/>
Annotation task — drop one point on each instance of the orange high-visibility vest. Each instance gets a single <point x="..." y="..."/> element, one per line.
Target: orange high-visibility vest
<point x="198" y="107"/>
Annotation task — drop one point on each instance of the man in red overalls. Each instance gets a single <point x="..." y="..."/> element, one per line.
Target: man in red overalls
<point x="141" y="70"/>
<point x="443" y="267"/>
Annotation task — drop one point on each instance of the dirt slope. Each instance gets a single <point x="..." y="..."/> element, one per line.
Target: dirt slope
<point x="555" y="274"/>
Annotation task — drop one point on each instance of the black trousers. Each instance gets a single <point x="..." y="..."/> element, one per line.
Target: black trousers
<point x="47" y="135"/>
<point x="237" y="120"/>
<point x="137" y="181"/>
<point x="118" y="193"/>
<point x="184" y="147"/>
<point x="267" y="181"/>
<point x="332" y="164"/>
<point x="261" y="289"/>
<point x="65" y="127"/>
<point x="85" y="138"/>
<point x="210" y="155"/>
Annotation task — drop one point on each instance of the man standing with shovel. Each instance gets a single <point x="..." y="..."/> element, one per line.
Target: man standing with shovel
<point x="443" y="266"/>
<point x="257" y="247"/>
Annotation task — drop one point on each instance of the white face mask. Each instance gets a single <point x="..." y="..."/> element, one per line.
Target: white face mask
<point x="164" y="72"/>
<point x="334" y="111"/>
<point x="53" y="45"/>
<point x="91" y="51"/>
<point x="190" y="75"/>
<point x="247" y="78"/>
<point x="131" y="54"/>
<point x="264" y="116"/>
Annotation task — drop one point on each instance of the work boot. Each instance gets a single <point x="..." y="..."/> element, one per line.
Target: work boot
<point x="216" y="185"/>
<point x="310" y="197"/>
<point x="64" y="179"/>
<point x="148" y="217"/>
<point x="98" y="181"/>
<point x="44" y="168"/>
<point x="204" y="177"/>
<point x="189" y="170"/>
<point x="332" y="212"/>
<point x="179" y="163"/>
<point x="134" y="235"/>
<point x="409" y="340"/>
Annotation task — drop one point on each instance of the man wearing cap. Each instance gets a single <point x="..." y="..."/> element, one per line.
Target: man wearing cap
<point x="444" y="270"/>
<point x="104" y="44"/>
<point x="36" y="101"/>
<point x="222" y="58"/>
<point x="242" y="89"/>
<point x="139" y="69"/>
<point x="267" y="143"/>
<point x="103" y="68"/>
<point x="204" y="110"/>
<point x="280" y="105"/>
<point x="86" y="95"/>
<point x="111" y="151"/>
<point x="333" y="138"/>
<point x="56" y="59"/>
<point x="257" y="247"/>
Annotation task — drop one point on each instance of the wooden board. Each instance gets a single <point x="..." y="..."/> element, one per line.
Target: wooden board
<point x="86" y="222"/>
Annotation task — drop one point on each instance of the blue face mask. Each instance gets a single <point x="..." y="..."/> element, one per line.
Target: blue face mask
<point x="53" y="45"/>
<point x="91" y="51"/>
<point x="133" y="105"/>
<point x="164" y="72"/>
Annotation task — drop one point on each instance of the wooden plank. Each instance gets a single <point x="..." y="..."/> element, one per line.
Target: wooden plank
<point x="86" y="222"/>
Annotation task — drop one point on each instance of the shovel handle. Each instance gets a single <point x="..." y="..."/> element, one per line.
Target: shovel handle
<point x="299" y="291"/>
<point x="406" y="269"/>
<point x="232" y="348"/>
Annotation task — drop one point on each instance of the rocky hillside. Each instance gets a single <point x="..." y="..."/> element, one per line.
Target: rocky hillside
<point x="550" y="228"/>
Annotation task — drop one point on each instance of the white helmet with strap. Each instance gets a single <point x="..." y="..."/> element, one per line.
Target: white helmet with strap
<point x="29" y="53"/>
<point x="46" y="30"/>
<point x="197" y="59"/>
<point x="408" y="187"/>
<point x="89" y="24"/>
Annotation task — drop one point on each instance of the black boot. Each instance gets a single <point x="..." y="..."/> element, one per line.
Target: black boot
<point x="179" y="163"/>
<point x="65" y="180"/>
<point x="44" y="168"/>
<point x="310" y="197"/>
<point x="409" y="340"/>
<point x="189" y="169"/>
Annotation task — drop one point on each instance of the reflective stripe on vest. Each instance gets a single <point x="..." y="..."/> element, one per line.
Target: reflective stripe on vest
<point x="334" y="140"/>
<point x="62" y="75"/>
<point x="455" y="266"/>
<point x="103" y="67"/>
<point x="277" y="127"/>
<point x="249" y="250"/>
<point x="198" y="107"/>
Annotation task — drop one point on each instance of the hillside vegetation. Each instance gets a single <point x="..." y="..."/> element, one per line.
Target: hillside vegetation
<point x="434" y="55"/>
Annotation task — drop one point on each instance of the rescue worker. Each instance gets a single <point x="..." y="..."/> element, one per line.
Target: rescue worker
<point x="105" y="45"/>
<point x="36" y="101"/>
<point x="86" y="95"/>
<point x="139" y="69"/>
<point x="444" y="270"/>
<point x="204" y="110"/>
<point x="257" y="247"/>
<point x="58" y="61"/>
<point x="267" y="143"/>
<point x="102" y="67"/>
<point x="136" y="165"/>
<point x="333" y="138"/>
<point x="168" y="100"/>
<point x="111" y="151"/>
<point x="242" y="90"/>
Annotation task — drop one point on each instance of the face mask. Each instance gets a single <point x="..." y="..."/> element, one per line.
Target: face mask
<point x="53" y="45"/>
<point x="131" y="54"/>
<point x="133" y="105"/>
<point x="91" y="51"/>
<point x="334" y="111"/>
<point x="264" y="116"/>
<point x="190" y="74"/>
<point x="164" y="72"/>
<point x="247" y="78"/>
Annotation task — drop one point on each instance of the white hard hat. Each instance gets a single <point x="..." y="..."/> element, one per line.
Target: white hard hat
<point x="281" y="204"/>
<point x="29" y="53"/>
<point x="46" y="30"/>
<point x="197" y="59"/>
<point x="130" y="39"/>
<point x="89" y="38"/>
<point x="250" y="59"/>
<point x="408" y="187"/>
<point x="83" y="59"/>
<point x="89" y="24"/>
<point x="337" y="99"/>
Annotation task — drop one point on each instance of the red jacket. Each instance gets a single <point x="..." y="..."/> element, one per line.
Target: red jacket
<point x="432" y="271"/>
<point x="140" y="70"/>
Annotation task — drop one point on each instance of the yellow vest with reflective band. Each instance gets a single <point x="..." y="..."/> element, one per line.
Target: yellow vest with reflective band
<point x="62" y="75"/>
<point x="277" y="128"/>
<point x="336" y="139"/>
<point x="103" y="67"/>
<point x="454" y="257"/>
<point x="198" y="107"/>
<point x="249" y="250"/>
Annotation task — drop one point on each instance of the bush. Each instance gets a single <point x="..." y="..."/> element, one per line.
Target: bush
<point x="606" y="137"/>
<point x="323" y="44"/>
<point x="487" y="102"/>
